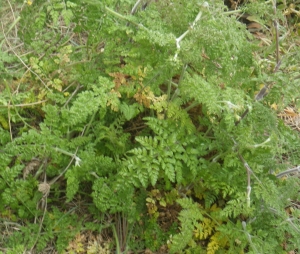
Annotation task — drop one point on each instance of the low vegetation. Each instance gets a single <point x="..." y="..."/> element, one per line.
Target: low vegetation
<point x="149" y="126"/>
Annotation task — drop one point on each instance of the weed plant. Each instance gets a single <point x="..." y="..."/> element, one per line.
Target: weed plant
<point x="149" y="127"/>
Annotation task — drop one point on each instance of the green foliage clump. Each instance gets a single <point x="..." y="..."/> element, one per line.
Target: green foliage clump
<point x="141" y="121"/>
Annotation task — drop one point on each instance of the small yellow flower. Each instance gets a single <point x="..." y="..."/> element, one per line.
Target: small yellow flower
<point x="29" y="2"/>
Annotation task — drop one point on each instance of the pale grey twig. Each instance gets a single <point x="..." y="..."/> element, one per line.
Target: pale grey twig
<point x="249" y="237"/>
<point x="28" y="68"/>
<point x="289" y="171"/>
<point x="72" y="95"/>
<point x="180" y="38"/>
<point x="249" y="171"/>
<point x="73" y="157"/>
<point x="13" y="14"/>
<point x="134" y="8"/>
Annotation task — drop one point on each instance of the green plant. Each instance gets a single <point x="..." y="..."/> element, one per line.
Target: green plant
<point x="123" y="110"/>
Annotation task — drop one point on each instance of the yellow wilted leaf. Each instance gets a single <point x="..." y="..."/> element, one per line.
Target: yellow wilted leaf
<point x="143" y="96"/>
<point x="4" y="122"/>
<point x="274" y="106"/>
<point x="214" y="208"/>
<point x="163" y="203"/>
<point x="212" y="247"/>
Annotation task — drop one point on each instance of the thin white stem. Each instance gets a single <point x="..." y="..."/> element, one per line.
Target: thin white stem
<point x="28" y="68"/>
<point x="134" y="8"/>
<point x="289" y="171"/>
<point x="181" y="37"/>
<point x="77" y="159"/>
<point x="249" y="172"/>
<point x="261" y="144"/>
<point x="15" y="20"/>
<point x="22" y="105"/>
<point x="244" y="225"/>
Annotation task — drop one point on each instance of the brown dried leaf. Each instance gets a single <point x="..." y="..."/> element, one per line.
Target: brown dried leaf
<point x="31" y="166"/>
<point x="143" y="96"/>
<point x="254" y="27"/>
<point x="119" y="79"/>
<point x="44" y="188"/>
<point x="291" y="118"/>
